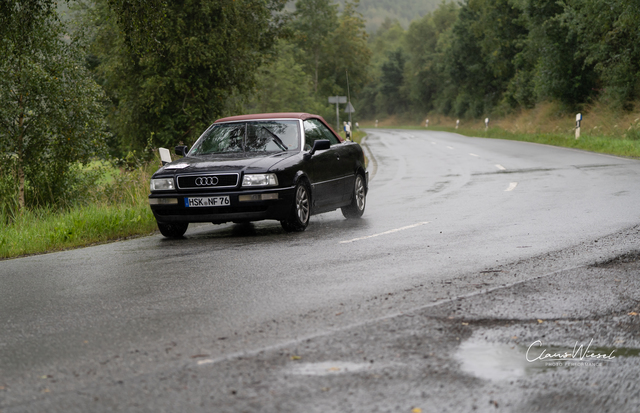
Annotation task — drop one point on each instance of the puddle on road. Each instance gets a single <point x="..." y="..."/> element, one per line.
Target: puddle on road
<point x="329" y="367"/>
<point x="498" y="361"/>
<point x="493" y="361"/>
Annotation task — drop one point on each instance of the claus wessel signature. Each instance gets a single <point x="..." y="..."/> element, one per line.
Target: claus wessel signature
<point x="536" y="352"/>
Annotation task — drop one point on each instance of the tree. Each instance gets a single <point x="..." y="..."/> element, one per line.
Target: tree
<point x="547" y="66"/>
<point x="282" y="85"/>
<point x="485" y="40"/>
<point x="171" y="81"/>
<point x="425" y="43"/>
<point x="391" y="98"/>
<point x="610" y="42"/>
<point x="347" y="53"/>
<point x="51" y="111"/>
<point x="314" y="21"/>
<point x="385" y="40"/>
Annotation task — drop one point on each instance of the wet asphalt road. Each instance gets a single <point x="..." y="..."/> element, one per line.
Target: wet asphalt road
<point x="458" y="236"/>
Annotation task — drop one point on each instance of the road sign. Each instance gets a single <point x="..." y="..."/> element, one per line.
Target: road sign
<point x="337" y="99"/>
<point x="349" y="108"/>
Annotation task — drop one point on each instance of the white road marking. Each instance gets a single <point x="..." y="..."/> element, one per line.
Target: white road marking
<point x="473" y="154"/>
<point x="205" y="361"/>
<point x="502" y="168"/>
<point x="512" y="186"/>
<point x="391" y="231"/>
<point x="295" y="343"/>
<point x="449" y="147"/>
<point x="433" y="143"/>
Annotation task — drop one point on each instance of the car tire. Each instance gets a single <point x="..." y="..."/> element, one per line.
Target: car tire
<point x="358" y="199"/>
<point x="298" y="218"/>
<point x="173" y="229"/>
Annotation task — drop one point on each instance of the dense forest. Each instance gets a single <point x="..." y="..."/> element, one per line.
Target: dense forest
<point x="487" y="57"/>
<point x="118" y="77"/>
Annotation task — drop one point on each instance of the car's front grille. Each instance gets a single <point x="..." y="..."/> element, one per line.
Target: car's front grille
<point x="207" y="181"/>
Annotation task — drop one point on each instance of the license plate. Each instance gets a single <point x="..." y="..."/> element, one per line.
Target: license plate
<point x="209" y="201"/>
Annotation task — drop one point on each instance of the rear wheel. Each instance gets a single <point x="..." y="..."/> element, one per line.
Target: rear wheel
<point x="173" y="229"/>
<point x="358" y="199"/>
<point x="298" y="218"/>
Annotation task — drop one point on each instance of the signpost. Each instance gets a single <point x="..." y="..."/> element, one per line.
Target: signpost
<point x="349" y="109"/>
<point x="337" y="100"/>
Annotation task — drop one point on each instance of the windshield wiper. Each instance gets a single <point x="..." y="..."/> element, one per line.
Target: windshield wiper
<point x="276" y="139"/>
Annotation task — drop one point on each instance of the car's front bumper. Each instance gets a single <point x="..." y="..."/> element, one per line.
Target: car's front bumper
<point x="237" y="211"/>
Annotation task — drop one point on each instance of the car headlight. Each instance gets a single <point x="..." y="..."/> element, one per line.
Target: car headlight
<point x="162" y="184"/>
<point x="260" y="180"/>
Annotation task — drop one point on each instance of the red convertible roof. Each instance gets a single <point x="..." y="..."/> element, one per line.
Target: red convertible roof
<point x="282" y="115"/>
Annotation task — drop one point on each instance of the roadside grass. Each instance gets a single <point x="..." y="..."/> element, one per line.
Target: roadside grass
<point x="603" y="129"/>
<point x="356" y="135"/>
<point x="42" y="231"/>
<point x="611" y="145"/>
<point x="119" y="210"/>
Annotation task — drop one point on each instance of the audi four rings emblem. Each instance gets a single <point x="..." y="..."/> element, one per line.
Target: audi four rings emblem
<point x="206" y="181"/>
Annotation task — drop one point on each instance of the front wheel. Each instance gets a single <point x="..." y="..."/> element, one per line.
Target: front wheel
<point x="298" y="218"/>
<point x="173" y="229"/>
<point x="358" y="200"/>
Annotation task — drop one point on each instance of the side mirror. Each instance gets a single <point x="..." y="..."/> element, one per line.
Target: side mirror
<point x="320" y="145"/>
<point x="182" y="150"/>
<point x="165" y="156"/>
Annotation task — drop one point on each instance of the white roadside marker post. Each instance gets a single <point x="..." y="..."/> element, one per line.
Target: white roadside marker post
<point x="578" y="119"/>
<point x="457" y="123"/>
<point x="486" y="124"/>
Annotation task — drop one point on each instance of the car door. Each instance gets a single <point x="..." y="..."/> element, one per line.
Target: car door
<point x="346" y="156"/>
<point x="325" y="169"/>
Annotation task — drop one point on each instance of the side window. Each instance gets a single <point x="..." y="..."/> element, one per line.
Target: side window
<point x="326" y="133"/>
<point x="311" y="134"/>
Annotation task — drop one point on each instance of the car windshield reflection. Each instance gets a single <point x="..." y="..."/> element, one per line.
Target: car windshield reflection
<point x="242" y="137"/>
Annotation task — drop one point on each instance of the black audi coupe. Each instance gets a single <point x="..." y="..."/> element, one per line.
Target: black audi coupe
<point x="281" y="166"/>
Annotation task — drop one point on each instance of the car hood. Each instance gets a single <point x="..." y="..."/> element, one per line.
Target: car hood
<point x="226" y="163"/>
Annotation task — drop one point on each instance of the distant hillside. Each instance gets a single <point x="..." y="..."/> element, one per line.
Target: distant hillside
<point x="376" y="11"/>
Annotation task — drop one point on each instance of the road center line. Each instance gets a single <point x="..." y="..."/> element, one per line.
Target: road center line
<point x="449" y="147"/>
<point x="473" y="154"/>
<point x="502" y="168"/>
<point x="511" y="187"/>
<point x="391" y="231"/>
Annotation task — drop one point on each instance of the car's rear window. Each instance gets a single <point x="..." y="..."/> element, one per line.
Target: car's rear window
<point x="252" y="136"/>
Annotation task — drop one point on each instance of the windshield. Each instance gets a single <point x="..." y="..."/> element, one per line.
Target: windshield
<point x="252" y="136"/>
